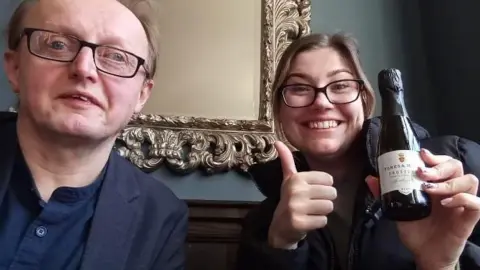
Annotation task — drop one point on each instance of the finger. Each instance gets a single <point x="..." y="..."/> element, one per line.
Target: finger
<point x="316" y="178"/>
<point x="445" y="170"/>
<point x="286" y="158"/>
<point x="374" y="185"/>
<point x="432" y="160"/>
<point x="464" y="184"/>
<point x="310" y="222"/>
<point x="468" y="201"/>
<point x="319" y="207"/>
<point x="469" y="207"/>
<point x="320" y="192"/>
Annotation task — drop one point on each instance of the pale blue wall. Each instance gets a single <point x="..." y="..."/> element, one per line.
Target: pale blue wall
<point x="6" y="96"/>
<point x="387" y="37"/>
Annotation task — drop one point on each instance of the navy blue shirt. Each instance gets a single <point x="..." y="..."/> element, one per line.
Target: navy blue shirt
<point x="44" y="235"/>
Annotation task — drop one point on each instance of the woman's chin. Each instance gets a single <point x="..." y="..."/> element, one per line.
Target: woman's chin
<point x="324" y="147"/>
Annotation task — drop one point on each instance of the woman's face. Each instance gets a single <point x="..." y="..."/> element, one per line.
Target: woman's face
<point x="323" y="129"/>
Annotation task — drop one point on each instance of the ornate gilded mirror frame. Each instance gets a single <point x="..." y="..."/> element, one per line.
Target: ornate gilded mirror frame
<point x="186" y="143"/>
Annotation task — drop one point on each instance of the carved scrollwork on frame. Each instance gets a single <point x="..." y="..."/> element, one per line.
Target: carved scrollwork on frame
<point x="186" y="143"/>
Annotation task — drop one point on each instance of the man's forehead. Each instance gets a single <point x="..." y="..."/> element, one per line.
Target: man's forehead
<point x="93" y="20"/>
<point x="78" y="10"/>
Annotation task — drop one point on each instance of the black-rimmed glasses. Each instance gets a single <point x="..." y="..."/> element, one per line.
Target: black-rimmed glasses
<point x="337" y="92"/>
<point x="60" y="47"/>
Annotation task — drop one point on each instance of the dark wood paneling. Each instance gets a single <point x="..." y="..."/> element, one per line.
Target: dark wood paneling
<point x="213" y="233"/>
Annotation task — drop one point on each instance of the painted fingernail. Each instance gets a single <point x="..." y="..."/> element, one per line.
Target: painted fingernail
<point x="425" y="151"/>
<point x="446" y="201"/>
<point x="428" y="185"/>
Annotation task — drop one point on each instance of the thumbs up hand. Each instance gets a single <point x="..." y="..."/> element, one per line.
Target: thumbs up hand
<point x="305" y="201"/>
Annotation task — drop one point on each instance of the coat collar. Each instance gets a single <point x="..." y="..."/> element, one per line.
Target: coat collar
<point x="371" y="134"/>
<point x="113" y="224"/>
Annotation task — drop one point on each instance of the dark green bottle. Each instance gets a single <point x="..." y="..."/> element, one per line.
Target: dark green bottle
<point x="403" y="198"/>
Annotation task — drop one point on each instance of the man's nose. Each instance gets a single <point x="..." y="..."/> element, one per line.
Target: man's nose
<point x="84" y="65"/>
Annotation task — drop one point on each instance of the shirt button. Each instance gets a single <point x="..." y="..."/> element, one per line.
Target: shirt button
<point x="41" y="231"/>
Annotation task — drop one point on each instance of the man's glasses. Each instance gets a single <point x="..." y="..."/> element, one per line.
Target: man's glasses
<point x="337" y="92"/>
<point x="65" y="48"/>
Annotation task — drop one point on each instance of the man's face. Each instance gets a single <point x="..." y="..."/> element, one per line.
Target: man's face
<point x="75" y="98"/>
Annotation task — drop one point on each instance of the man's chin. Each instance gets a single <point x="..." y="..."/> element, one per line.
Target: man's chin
<point x="79" y="131"/>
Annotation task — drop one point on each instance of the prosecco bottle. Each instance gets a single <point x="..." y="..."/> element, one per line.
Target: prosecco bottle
<point x="398" y="155"/>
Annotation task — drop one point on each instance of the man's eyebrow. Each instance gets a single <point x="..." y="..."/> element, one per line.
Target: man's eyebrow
<point x="110" y="40"/>
<point x="50" y="26"/>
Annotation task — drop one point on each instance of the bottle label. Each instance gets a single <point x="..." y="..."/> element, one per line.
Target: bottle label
<point x="398" y="171"/>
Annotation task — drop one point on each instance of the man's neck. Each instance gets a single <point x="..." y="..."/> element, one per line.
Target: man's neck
<point x="55" y="162"/>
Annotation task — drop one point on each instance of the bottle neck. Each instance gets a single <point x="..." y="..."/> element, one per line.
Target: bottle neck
<point x="393" y="104"/>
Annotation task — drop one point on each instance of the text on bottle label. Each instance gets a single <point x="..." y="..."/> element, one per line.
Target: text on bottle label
<point x="397" y="171"/>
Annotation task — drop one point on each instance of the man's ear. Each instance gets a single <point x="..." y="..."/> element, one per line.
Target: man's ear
<point x="144" y="95"/>
<point x="11" y="67"/>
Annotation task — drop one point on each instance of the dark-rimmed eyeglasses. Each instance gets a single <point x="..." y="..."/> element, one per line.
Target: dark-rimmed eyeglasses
<point x="60" y="47"/>
<point x="337" y="92"/>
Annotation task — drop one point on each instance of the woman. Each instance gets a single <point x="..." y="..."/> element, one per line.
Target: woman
<point x="322" y="209"/>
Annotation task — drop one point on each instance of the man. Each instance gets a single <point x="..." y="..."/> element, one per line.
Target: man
<point x="81" y="69"/>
